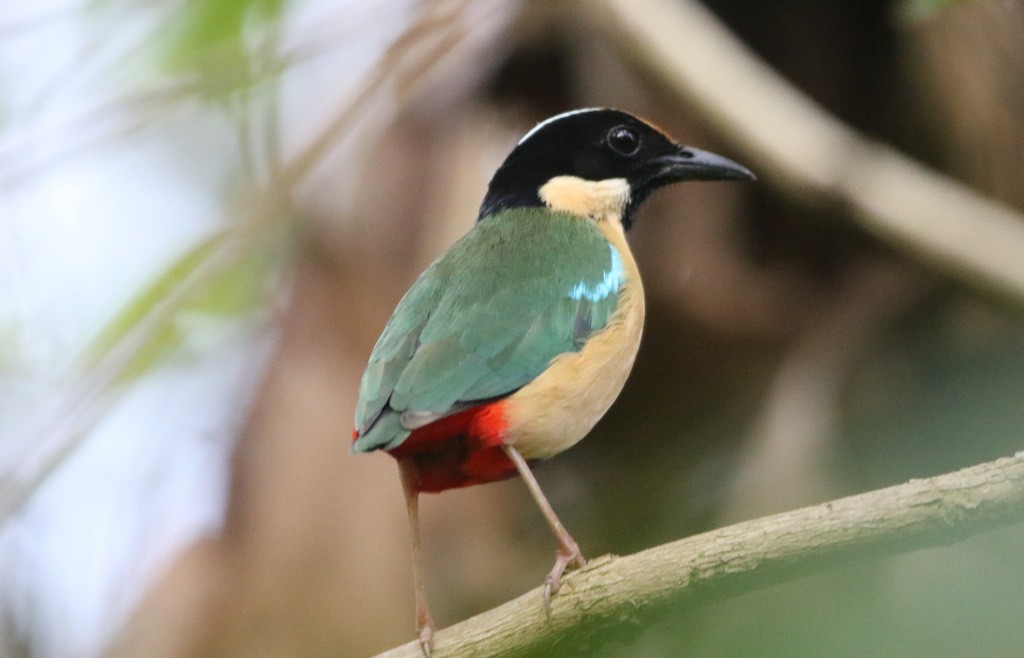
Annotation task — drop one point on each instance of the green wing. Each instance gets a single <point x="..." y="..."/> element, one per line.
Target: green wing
<point x="522" y="287"/>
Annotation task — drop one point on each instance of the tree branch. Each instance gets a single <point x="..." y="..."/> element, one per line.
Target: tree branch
<point x="793" y="142"/>
<point x="613" y="592"/>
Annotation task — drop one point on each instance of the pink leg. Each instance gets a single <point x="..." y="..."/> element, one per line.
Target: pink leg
<point x="424" y="622"/>
<point x="568" y="550"/>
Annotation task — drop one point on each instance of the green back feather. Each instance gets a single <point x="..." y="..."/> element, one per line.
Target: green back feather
<point x="522" y="287"/>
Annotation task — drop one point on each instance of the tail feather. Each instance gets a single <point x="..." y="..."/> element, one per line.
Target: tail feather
<point x="386" y="433"/>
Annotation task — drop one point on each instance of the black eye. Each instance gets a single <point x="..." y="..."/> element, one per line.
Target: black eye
<point x="623" y="140"/>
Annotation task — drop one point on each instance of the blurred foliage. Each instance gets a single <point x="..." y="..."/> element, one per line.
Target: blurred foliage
<point x="240" y="286"/>
<point x="921" y="10"/>
<point x="222" y="47"/>
<point x="215" y="41"/>
<point x="941" y="391"/>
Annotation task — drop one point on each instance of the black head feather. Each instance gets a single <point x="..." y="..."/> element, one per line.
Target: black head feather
<point x="599" y="144"/>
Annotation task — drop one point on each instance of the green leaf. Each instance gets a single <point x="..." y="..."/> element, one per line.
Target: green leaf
<point x="240" y="286"/>
<point x="211" y="39"/>
<point x="143" y="302"/>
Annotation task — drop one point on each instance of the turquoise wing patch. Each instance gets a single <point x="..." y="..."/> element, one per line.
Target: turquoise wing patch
<point x="613" y="279"/>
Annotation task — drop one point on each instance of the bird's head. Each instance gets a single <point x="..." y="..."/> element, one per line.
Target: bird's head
<point x="596" y="162"/>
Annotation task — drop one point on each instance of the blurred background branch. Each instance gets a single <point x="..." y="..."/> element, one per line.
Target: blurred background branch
<point x="797" y="144"/>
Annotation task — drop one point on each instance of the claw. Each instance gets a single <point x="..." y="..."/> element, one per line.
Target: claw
<point x="426" y="639"/>
<point x="425" y="625"/>
<point x="568" y="554"/>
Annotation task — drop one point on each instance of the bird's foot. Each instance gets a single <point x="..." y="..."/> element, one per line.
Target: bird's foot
<point x="426" y="640"/>
<point x="568" y="554"/>
<point x="425" y="625"/>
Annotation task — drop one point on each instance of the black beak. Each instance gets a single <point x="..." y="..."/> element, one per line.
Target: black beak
<point x="685" y="163"/>
<point x="693" y="164"/>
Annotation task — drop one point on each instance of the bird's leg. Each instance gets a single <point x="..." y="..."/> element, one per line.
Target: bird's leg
<point x="568" y="550"/>
<point x="424" y="622"/>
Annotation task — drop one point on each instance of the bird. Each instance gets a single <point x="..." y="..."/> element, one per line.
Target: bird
<point x="510" y="346"/>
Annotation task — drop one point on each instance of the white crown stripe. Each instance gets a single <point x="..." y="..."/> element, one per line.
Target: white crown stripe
<point x="556" y="118"/>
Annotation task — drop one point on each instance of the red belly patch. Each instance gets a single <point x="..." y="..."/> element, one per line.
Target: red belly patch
<point x="459" y="450"/>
